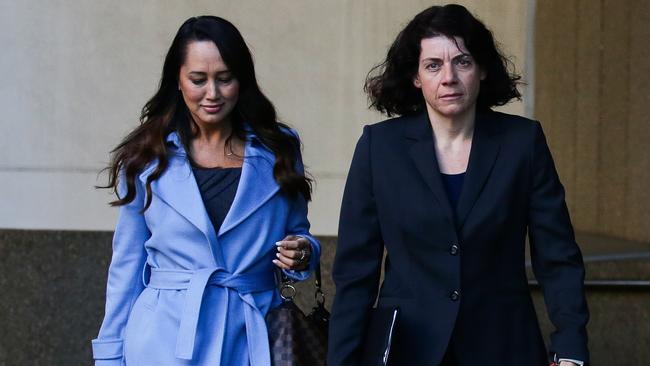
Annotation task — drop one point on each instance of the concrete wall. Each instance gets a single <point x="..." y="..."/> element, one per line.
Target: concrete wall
<point x="592" y="82"/>
<point x="53" y="285"/>
<point x="76" y="73"/>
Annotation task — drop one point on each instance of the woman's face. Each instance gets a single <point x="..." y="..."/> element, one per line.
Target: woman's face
<point x="448" y="76"/>
<point x="209" y="89"/>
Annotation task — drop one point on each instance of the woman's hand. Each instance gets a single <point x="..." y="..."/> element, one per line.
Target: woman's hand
<point x="293" y="253"/>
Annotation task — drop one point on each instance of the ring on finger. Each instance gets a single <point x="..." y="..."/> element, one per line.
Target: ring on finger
<point x="303" y="254"/>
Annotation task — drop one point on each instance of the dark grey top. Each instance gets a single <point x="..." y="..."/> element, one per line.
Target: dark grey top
<point x="453" y="185"/>
<point x="218" y="187"/>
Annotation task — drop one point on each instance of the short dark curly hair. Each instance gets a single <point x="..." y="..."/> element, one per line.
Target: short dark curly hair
<point x="389" y="85"/>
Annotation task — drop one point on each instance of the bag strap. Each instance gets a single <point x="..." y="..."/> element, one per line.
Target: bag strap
<point x="288" y="291"/>
<point x="319" y="295"/>
<point x="285" y="285"/>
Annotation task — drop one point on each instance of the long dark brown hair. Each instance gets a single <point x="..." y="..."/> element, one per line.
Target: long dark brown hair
<point x="166" y="112"/>
<point x="389" y="85"/>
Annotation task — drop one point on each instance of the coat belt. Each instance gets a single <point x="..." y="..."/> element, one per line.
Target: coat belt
<point x="195" y="282"/>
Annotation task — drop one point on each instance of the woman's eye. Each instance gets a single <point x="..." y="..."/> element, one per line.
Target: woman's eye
<point x="198" y="81"/>
<point x="225" y="80"/>
<point x="432" y="66"/>
<point x="464" y="62"/>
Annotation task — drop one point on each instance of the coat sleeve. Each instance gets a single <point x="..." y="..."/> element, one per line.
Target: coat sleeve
<point x="556" y="258"/>
<point x="357" y="264"/>
<point x="124" y="279"/>
<point x="298" y="225"/>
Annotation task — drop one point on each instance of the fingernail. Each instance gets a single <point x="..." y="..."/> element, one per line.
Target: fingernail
<point x="277" y="255"/>
<point x="278" y="243"/>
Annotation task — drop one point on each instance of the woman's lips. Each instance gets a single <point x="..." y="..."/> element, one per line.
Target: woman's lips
<point x="212" y="108"/>
<point x="451" y="96"/>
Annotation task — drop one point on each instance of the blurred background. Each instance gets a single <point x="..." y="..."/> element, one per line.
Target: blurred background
<point x="75" y="75"/>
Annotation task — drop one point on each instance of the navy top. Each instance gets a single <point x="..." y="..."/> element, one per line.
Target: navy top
<point x="453" y="185"/>
<point x="218" y="187"/>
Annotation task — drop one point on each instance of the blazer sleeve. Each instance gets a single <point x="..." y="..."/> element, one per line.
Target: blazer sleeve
<point x="298" y="224"/>
<point x="357" y="264"/>
<point x="556" y="258"/>
<point x="124" y="279"/>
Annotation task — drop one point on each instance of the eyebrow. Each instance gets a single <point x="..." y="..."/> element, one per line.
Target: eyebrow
<point x="202" y="73"/>
<point x="453" y="58"/>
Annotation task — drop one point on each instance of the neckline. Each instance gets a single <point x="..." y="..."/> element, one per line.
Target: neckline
<point x="215" y="167"/>
<point x="454" y="175"/>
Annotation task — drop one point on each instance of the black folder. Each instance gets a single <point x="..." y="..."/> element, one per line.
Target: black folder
<point x="379" y="335"/>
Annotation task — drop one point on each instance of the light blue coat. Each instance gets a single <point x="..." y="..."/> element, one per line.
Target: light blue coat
<point x="178" y="292"/>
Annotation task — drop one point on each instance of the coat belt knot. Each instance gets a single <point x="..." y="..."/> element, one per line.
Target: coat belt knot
<point x="195" y="283"/>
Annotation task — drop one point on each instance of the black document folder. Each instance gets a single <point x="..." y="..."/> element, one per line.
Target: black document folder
<point x="379" y="335"/>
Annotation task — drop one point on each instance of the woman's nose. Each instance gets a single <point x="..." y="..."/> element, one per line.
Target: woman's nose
<point x="213" y="91"/>
<point x="448" y="74"/>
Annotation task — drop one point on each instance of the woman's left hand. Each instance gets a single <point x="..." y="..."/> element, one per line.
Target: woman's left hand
<point x="293" y="253"/>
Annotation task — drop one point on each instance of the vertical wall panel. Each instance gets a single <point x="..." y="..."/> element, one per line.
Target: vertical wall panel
<point x="600" y="90"/>
<point x="564" y="123"/>
<point x="545" y="61"/>
<point x="587" y="116"/>
<point x="614" y="116"/>
<point x="556" y="85"/>
<point x="637" y="200"/>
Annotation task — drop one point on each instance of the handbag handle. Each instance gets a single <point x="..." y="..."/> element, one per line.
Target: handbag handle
<point x="319" y="296"/>
<point x="288" y="291"/>
<point x="285" y="285"/>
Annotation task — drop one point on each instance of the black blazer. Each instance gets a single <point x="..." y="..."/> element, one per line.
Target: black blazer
<point x="459" y="279"/>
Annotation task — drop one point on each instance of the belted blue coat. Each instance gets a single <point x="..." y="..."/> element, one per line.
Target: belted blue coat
<point x="178" y="292"/>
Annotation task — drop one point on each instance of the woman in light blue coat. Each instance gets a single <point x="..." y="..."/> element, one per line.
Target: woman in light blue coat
<point x="213" y="197"/>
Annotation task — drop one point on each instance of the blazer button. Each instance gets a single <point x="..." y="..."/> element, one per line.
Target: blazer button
<point x="453" y="250"/>
<point x="455" y="295"/>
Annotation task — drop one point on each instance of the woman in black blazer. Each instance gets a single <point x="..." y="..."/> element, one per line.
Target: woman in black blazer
<point x="450" y="189"/>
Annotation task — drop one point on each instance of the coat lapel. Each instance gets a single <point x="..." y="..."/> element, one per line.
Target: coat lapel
<point x="419" y="135"/>
<point x="485" y="148"/>
<point x="178" y="189"/>
<point x="256" y="185"/>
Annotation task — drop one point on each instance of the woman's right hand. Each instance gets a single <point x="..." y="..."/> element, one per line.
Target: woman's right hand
<point x="293" y="253"/>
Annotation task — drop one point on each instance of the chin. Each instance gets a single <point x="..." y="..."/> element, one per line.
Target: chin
<point x="212" y="119"/>
<point x="451" y="112"/>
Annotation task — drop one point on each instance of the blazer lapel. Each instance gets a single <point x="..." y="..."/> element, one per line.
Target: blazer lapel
<point x="178" y="189"/>
<point x="419" y="135"/>
<point x="256" y="185"/>
<point x="485" y="148"/>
